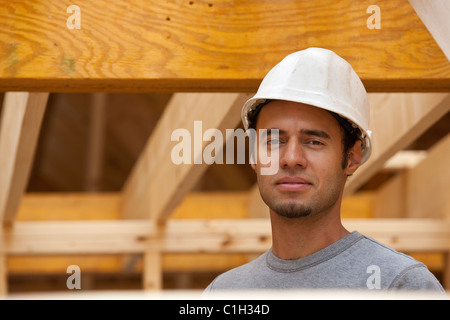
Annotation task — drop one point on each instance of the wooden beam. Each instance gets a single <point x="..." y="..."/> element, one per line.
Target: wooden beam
<point x="446" y="275"/>
<point x="3" y="276"/>
<point x="434" y="14"/>
<point x="43" y="206"/>
<point x="213" y="205"/>
<point x="199" y="236"/>
<point x="391" y="198"/>
<point x="152" y="271"/>
<point x="420" y="192"/>
<point x="135" y="236"/>
<point x="157" y="185"/>
<point x="96" y="142"/>
<point x="20" y="125"/>
<point x="409" y="235"/>
<point x="428" y="184"/>
<point x="257" y="209"/>
<point x="113" y="264"/>
<point x="195" y="205"/>
<point x="396" y="121"/>
<point x="405" y="159"/>
<point x="197" y="46"/>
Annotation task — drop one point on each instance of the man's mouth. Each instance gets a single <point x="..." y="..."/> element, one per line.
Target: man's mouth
<point x="293" y="184"/>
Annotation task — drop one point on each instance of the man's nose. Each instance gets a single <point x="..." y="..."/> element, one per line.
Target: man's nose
<point x="293" y="155"/>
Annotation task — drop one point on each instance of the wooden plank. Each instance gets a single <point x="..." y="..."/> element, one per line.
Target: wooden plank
<point x="69" y="206"/>
<point x="446" y="272"/>
<point x="96" y="142"/>
<point x="428" y="184"/>
<point x="175" y="46"/>
<point x="157" y="185"/>
<point x="200" y="236"/>
<point x="396" y="121"/>
<point x="407" y="235"/>
<point x="213" y="205"/>
<point x="391" y="198"/>
<point x="405" y="159"/>
<point x="434" y="14"/>
<point x="3" y="276"/>
<point x="135" y="236"/>
<point x="107" y="206"/>
<point x="195" y="205"/>
<point x="420" y="192"/>
<point x="46" y="265"/>
<point x="113" y="263"/>
<point x="358" y="205"/>
<point x="61" y="159"/>
<point x="257" y="209"/>
<point x="22" y="115"/>
<point x="152" y="271"/>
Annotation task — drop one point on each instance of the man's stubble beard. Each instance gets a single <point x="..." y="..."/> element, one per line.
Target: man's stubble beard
<point x="295" y="209"/>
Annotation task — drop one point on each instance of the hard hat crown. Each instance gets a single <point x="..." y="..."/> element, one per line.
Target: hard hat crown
<point x="320" y="78"/>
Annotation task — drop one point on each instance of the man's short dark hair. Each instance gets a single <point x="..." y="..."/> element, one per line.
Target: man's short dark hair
<point x="350" y="135"/>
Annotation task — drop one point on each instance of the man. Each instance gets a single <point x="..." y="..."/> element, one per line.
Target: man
<point x="315" y="111"/>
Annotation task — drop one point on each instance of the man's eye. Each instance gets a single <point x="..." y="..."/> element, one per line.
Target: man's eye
<point x="273" y="141"/>
<point x="315" y="142"/>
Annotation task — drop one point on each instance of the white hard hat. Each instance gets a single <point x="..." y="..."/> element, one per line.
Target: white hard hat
<point x="320" y="78"/>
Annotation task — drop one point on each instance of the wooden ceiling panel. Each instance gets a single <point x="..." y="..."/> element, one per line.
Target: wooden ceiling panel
<point x="172" y="46"/>
<point x="61" y="160"/>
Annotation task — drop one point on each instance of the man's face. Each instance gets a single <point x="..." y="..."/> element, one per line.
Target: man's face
<point x="310" y="178"/>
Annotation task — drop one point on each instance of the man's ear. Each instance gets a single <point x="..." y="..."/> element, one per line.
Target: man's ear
<point x="354" y="157"/>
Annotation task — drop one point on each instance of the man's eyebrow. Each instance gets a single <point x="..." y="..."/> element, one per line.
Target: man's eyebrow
<point x="317" y="133"/>
<point x="309" y="132"/>
<point x="269" y="132"/>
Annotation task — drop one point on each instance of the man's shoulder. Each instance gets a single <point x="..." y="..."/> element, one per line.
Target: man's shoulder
<point x="238" y="277"/>
<point x="376" y="249"/>
<point x="372" y="252"/>
<point x="403" y="271"/>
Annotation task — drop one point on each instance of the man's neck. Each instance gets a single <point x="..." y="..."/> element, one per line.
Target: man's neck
<point x="301" y="237"/>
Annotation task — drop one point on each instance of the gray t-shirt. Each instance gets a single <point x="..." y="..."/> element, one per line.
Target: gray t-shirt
<point x="353" y="262"/>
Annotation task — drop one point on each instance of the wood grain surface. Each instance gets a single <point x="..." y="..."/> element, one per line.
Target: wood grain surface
<point x="216" y="45"/>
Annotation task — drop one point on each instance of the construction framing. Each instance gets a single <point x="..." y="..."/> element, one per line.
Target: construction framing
<point x="210" y="57"/>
